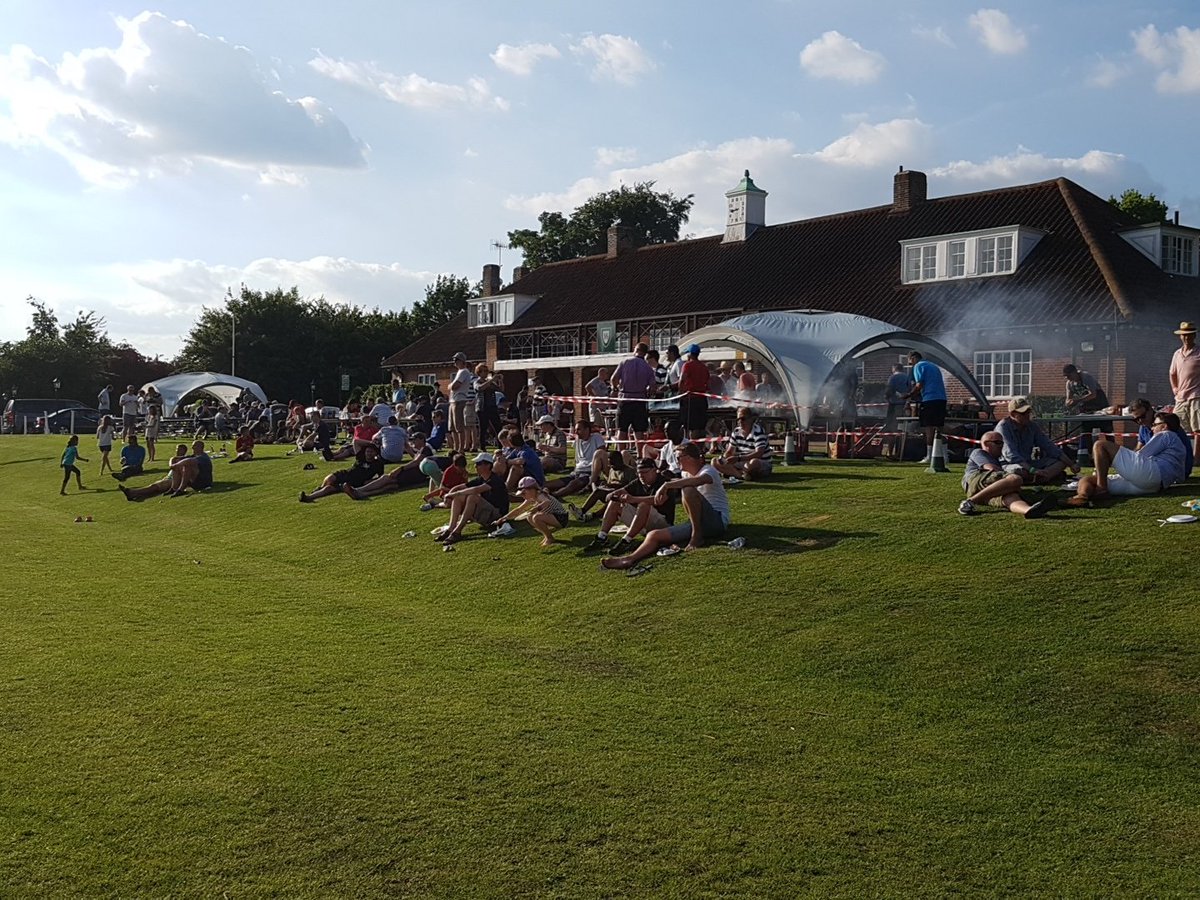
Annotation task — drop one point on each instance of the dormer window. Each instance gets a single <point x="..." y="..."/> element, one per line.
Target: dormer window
<point x="502" y="309"/>
<point x="996" y="251"/>
<point x="1170" y="247"/>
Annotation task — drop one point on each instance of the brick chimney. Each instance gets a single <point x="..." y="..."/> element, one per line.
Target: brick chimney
<point x="620" y="241"/>
<point x="909" y="189"/>
<point x="518" y="273"/>
<point x="491" y="280"/>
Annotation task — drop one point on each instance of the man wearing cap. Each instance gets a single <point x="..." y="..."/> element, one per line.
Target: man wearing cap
<point x="460" y="389"/>
<point x="1160" y="463"/>
<point x="985" y="481"/>
<point x="1185" y="378"/>
<point x="929" y="389"/>
<point x="634" y="379"/>
<point x="552" y="444"/>
<point x="1021" y="436"/>
<point x="482" y="500"/>
<point x="703" y="498"/>
<point x="636" y="506"/>
<point x="693" y="385"/>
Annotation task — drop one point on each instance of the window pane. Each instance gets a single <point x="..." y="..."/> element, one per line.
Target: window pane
<point x="1004" y="253"/>
<point x="928" y="263"/>
<point x="912" y="264"/>
<point x="958" y="259"/>
<point x="987" y="256"/>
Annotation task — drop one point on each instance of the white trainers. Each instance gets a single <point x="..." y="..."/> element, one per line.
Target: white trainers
<point x="505" y="530"/>
<point x="967" y="508"/>
<point x="426" y="507"/>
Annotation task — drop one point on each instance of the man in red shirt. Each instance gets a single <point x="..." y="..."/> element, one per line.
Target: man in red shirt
<point x="693" y="384"/>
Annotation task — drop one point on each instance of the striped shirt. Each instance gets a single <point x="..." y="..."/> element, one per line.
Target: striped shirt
<point x="660" y="377"/>
<point x="745" y="445"/>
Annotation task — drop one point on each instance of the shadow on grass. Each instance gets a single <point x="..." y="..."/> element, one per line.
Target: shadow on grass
<point x="17" y="462"/>
<point x="224" y="487"/>
<point x="789" y="539"/>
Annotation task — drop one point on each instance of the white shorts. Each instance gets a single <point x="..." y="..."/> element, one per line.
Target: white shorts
<point x="655" y="520"/>
<point x="1133" y="474"/>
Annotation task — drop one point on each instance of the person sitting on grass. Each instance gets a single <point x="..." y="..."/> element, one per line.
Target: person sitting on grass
<point x="705" y="501"/>
<point x="364" y="434"/>
<point x="749" y="453"/>
<point x="407" y="475"/>
<point x="1122" y="472"/>
<point x="164" y="485"/>
<point x="1143" y="413"/>
<point x="244" y="446"/>
<point x="367" y="466"/>
<point x="591" y="462"/>
<point x="444" y="482"/>
<point x="552" y="445"/>
<point x="619" y="474"/>
<point x="69" y="457"/>
<point x="1021" y="435"/>
<point x="985" y="481"/>
<point x="638" y="507"/>
<point x="523" y="461"/>
<point x="482" y="500"/>
<point x="133" y="457"/>
<point x="437" y="434"/>
<point x="541" y="509"/>
<point x="392" y="441"/>
<point x="667" y="455"/>
<point x="316" y="435"/>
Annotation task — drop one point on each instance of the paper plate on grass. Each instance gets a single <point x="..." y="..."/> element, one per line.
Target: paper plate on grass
<point x="1178" y="520"/>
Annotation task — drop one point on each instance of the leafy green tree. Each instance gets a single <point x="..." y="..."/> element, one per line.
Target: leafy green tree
<point x="654" y="218"/>
<point x="1147" y="209"/>
<point x="76" y="354"/>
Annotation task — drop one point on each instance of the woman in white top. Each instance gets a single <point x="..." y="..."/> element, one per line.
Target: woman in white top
<point x="104" y="440"/>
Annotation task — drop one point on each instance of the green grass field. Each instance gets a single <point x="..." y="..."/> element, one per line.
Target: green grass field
<point x="238" y="695"/>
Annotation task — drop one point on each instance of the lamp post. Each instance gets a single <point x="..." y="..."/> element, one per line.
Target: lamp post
<point x="232" y="333"/>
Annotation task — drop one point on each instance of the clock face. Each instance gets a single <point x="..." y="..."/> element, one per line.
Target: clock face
<point x="737" y="210"/>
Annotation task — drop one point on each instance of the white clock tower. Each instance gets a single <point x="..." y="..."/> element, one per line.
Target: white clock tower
<point x="747" y="206"/>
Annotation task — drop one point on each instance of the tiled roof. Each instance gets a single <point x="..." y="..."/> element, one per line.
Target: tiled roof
<point x="438" y="347"/>
<point x="1080" y="270"/>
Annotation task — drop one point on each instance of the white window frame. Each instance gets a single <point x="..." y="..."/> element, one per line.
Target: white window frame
<point x="1015" y="381"/>
<point x="490" y="311"/>
<point x="953" y="270"/>
<point x="429" y="378"/>
<point x="1178" y="254"/>
<point x="979" y="254"/>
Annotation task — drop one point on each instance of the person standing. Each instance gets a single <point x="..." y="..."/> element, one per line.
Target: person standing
<point x="929" y="389"/>
<point x="898" y="386"/>
<point x="634" y="379"/>
<point x="459" y="390"/>
<point x="598" y="387"/>
<point x="130" y="404"/>
<point x="1185" y="378"/>
<point x="67" y="463"/>
<point x="487" y="410"/>
<point x="693" y="385"/>
<point x="104" y="400"/>
<point x="104" y="441"/>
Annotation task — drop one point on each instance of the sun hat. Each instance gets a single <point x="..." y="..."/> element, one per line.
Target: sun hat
<point x="546" y="420"/>
<point x="1186" y="328"/>
<point x="527" y="482"/>
<point x="1019" y="404"/>
<point x="485" y="458"/>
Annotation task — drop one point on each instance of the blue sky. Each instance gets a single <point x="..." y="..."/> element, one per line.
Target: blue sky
<point x="151" y="156"/>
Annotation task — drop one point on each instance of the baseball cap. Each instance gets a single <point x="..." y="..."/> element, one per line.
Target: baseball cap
<point x="1019" y="404"/>
<point x="460" y="355"/>
<point x="694" y="349"/>
<point x="647" y="463"/>
<point x="416" y="436"/>
<point x="546" y="420"/>
<point x="484" y="458"/>
<point x="527" y="482"/>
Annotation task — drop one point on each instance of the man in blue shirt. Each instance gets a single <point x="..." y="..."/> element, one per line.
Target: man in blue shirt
<point x="929" y="388"/>
<point x="133" y="456"/>
<point x="1160" y="463"/>
<point x="1021" y="437"/>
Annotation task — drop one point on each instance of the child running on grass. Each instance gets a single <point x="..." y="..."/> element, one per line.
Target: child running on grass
<point x="244" y="446"/>
<point x="541" y="509"/>
<point x="68" y="464"/>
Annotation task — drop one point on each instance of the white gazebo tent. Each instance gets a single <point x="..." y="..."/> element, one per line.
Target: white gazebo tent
<point x="810" y="349"/>
<point x="224" y="388"/>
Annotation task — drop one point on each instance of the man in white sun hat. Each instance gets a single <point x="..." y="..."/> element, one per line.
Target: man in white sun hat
<point x="1185" y="378"/>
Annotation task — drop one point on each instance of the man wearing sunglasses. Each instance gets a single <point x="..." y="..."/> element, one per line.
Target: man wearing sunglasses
<point x="1160" y="463"/>
<point x="986" y="482"/>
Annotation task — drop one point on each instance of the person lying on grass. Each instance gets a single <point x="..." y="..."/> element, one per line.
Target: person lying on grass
<point x="985" y="481"/>
<point x="618" y="476"/>
<point x="591" y="462"/>
<point x="1160" y="463"/>
<point x="407" y="475"/>
<point x="636" y="505"/>
<point x="482" y="500"/>
<point x="444" y="482"/>
<point x="184" y="471"/>
<point x="244" y="447"/>
<point x="133" y="457"/>
<point x="541" y="509"/>
<point x="367" y="466"/>
<point x="705" y="501"/>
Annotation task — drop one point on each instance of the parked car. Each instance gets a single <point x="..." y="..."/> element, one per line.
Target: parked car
<point x="87" y="420"/>
<point x="21" y="414"/>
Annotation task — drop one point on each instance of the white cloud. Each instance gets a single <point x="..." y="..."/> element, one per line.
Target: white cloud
<point x="1105" y="73"/>
<point x="133" y="111"/>
<point x="521" y="59"/>
<point x="833" y="55"/>
<point x="1100" y="171"/>
<point x="469" y="153"/>
<point x="278" y="175"/>
<point x="410" y="90"/>
<point x="615" y="58"/>
<point x="997" y="32"/>
<point x="937" y="35"/>
<point x="1176" y="54"/>
<point x="612" y="156"/>
<point x="876" y="145"/>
